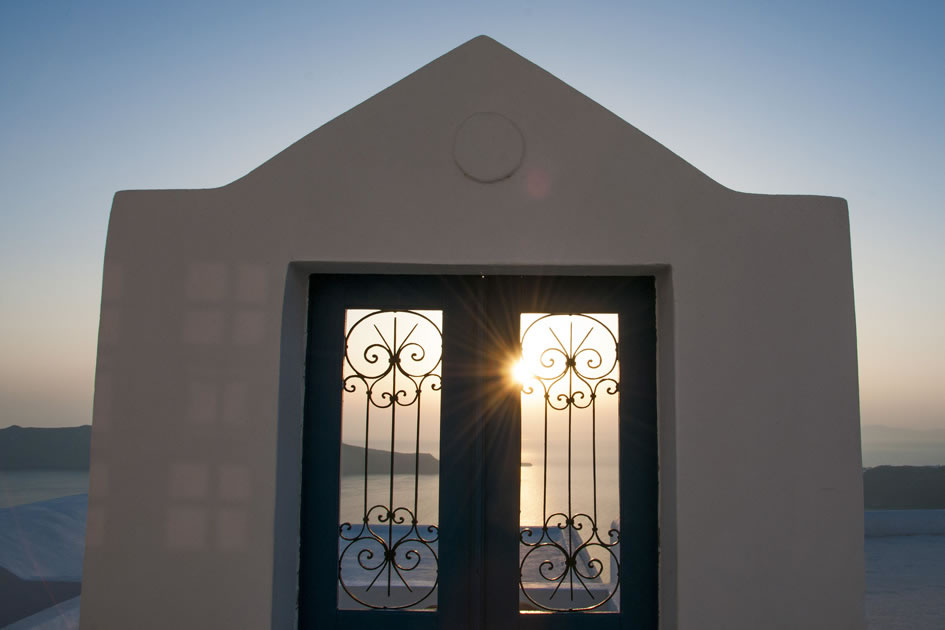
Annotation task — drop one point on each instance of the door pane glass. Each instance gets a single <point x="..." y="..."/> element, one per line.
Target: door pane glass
<point x="387" y="551"/>
<point x="570" y="510"/>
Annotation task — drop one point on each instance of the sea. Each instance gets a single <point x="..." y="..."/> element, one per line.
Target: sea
<point x="533" y="507"/>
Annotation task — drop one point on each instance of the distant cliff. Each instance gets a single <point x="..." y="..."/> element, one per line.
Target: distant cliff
<point x="352" y="462"/>
<point x="30" y="448"/>
<point x="904" y="488"/>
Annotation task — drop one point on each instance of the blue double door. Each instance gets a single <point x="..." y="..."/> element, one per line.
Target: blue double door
<point x="421" y="395"/>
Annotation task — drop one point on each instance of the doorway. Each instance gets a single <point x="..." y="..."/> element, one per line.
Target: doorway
<point x="480" y="452"/>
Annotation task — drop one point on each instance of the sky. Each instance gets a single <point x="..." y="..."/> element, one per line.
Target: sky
<point x="841" y="98"/>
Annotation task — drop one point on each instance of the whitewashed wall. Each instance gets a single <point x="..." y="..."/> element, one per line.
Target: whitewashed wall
<point x="193" y="509"/>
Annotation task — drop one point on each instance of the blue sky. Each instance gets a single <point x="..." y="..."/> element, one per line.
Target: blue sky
<point x="840" y="98"/>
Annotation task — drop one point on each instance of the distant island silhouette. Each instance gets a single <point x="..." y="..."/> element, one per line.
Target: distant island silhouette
<point x="904" y="488"/>
<point x="378" y="462"/>
<point x="34" y="448"/>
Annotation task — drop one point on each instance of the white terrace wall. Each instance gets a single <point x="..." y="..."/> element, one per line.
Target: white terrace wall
<point x="193" y="507"/>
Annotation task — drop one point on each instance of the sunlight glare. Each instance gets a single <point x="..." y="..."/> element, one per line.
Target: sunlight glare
<point x="520" y="372"/>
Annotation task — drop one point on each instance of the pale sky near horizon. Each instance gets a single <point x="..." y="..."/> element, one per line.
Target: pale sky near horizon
<point x="806" y="98"/>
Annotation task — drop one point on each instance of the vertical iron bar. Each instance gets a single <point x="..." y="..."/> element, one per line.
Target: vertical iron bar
<point x="570" y="522"/>
<point x="367" y="426"/>
<point x="544" y="493"/>
<point x="393" y="422"/>
<point x="416" y="464"/>
<point x="594" y="451"/>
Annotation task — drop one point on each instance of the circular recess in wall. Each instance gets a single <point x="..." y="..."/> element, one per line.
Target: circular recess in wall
<point x="488" y="147"/>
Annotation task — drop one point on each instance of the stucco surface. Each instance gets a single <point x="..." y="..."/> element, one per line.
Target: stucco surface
<point x="193" y="499"/>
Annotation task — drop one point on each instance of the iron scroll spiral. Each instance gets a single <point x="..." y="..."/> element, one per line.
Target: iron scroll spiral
<point x="568" y="549"/>
<point x="392" y="357"/>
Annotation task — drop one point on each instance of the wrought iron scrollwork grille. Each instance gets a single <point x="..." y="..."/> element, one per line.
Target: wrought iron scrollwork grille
<point x="562" y="561"/>
<point x="392" y="358"/>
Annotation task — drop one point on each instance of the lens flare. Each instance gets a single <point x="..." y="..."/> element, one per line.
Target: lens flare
<point x="521" y="372"/>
